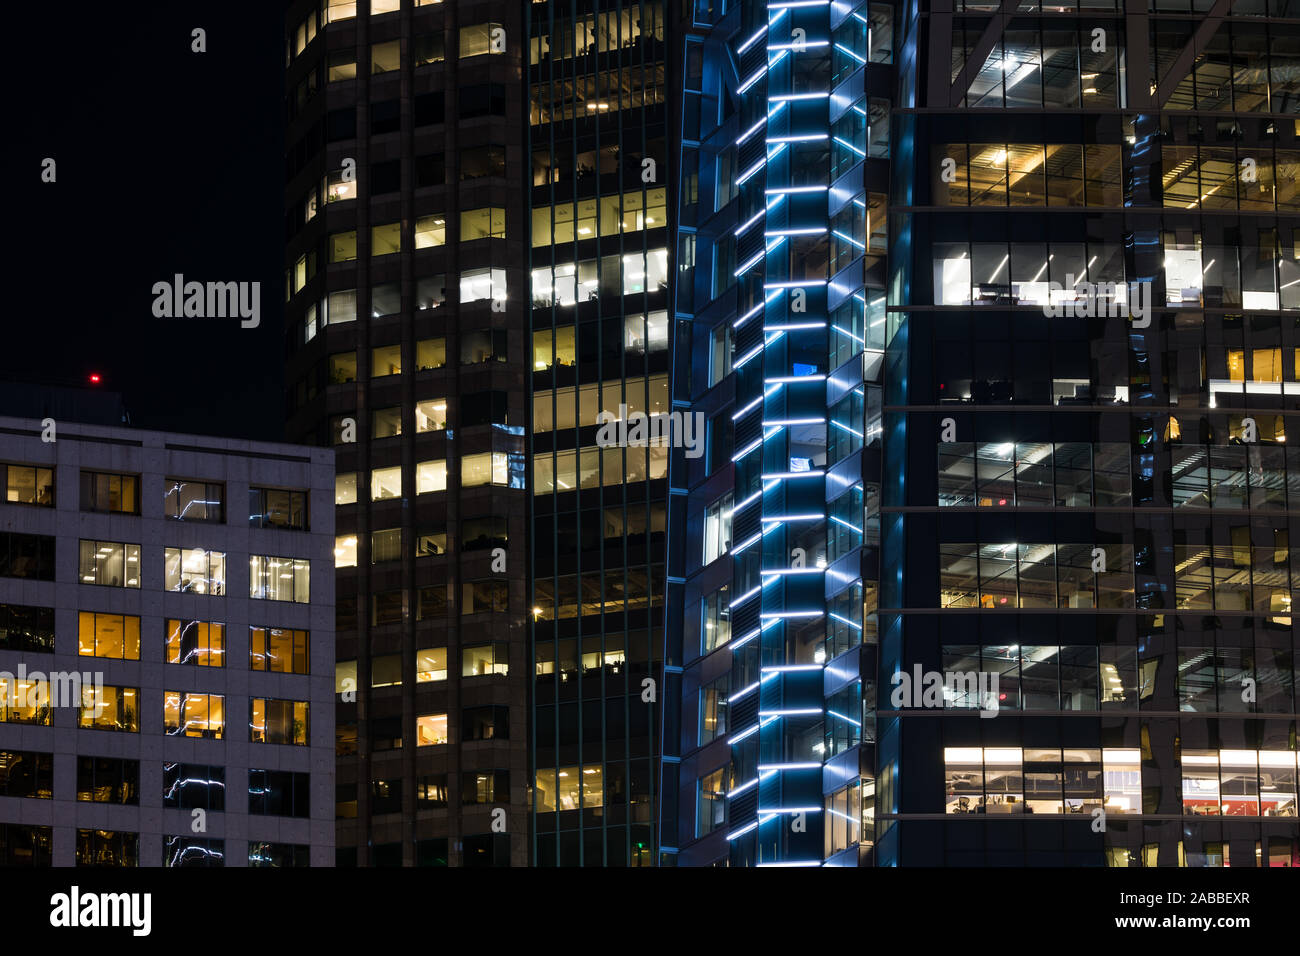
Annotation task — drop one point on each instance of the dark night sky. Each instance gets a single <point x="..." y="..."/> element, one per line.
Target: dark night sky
<point x="168" y="161"/>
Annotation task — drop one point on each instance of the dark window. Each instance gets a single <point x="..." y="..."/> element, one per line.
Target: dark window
<point x="279" y="854"/>
<point x="385" y="733"/>
<point x="487" y="849"/>
<point x="484" y="786"/>
<point x="195" y="501"/>
<point x="385" y="177"/>
<point x="385" y="117"/>
<point x="108" y="780"/>
<point x="430" y="170"/>
<point x="345" y="801"/>
<point x="480" y="597"/>
<point x="485" y="346"/>
<point x="279" y="793"/>
<point x="433" y="601"/>
<point x="386" y="854"/>
<point x="480" y="161"/>
<point x="194" y="786"/>
<point x="26" y="773"/>
<point x="480" y="534"/>
<point x="386" y="796"/>
<point x="345" y="613"/>
<point x="101" y="491"/>
<point x="27" y="556"/>
<point x="24" y="845"/>
<point x="340" y="124"/>
<point x="193" y="851"/>
<point x="485" y="723"/>
<point x="107" y="848"/>
<point x="275" y="508"/>
<point x="431" y="852"/>
<point x="483" y="408"/>
<point x="430" y="108"/>
<point x="24" y="628"/>
<point x="387" y="607"/>
<point x="484" y="99"/>
<point x="427" y="48"/>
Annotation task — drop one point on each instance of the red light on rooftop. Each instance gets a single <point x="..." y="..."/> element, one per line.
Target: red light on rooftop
<point x="94" y="378"/>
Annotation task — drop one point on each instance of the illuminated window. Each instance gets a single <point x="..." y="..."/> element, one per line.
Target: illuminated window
<point x="488" y="222"/>
<point x="483" y="659"/>
<point x="563" y="352"/>
<point x="485" y="468"/>
<point x="336" y="10"/>
<point x="193" y="715"/>
<point x="26" y="701"/>
<point x="345" y="551"/>
<point x="717" y="528"/>
<point x="713" y="709"/>
<point x="717" y="619"/>
<point x="431" y="415"/>
<point x="115" y="636"/>
<point x="430" y="476"/>
<point x="195" y="642"/>
<point x="430" y="231"/>
<point x="338" y="189"/>
<point x="430" y="353"/>
<point x="110" y="563"/>
<point x="430" y="664"/>
<point x="278" y="721"/>
<point x="343" y="246"/>
<point x="194" y="570"/>
<point x="385" y="360"/>
<point x="278" y="650"/>
<point x="110" y="708"/>
<point x="711" y="811"/>
<point x="118" y="494"/>
<point x="479" y="284"/>
<point x="279" y="579"/>
<point x="28" y="485"/>
<point x="386" y="57"/>
<point x="482" y="38"/>
<point x="385" y="239"/>
<point x="431" y="730"/>
<point x="345" y="488"/>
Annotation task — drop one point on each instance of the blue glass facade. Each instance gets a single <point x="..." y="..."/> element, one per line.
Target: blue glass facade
<point x="780" y="315"/>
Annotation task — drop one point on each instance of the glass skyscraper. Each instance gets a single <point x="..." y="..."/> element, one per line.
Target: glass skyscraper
<point x="1061" y="633"/>
<point x="774" y="550"/>
<point x="977" y="326"/>
<point x="597" y="140"/>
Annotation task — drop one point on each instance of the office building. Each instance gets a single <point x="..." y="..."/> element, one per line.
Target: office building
<point x="166" y="649"/>
<point x="598" y="143"/>
<point x="1087" y="362"/>
<point x="408" y="352"/>
<point x="781" y="284"/>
